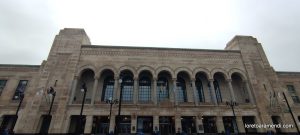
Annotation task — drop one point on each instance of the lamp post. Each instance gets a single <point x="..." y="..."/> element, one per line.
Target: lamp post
<point x="290" y="111"/>
<point x="46" y="122"/>
<point x="232" y="104"/>
<point x="52" y="92"/>
<point x="21" y="97"/>
<point x="111" y="102"/>
<point x="120" y="104"/>
<point x="84" y="90"/>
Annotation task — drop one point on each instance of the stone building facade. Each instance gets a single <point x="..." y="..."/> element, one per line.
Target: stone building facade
<point x="163" y="89"/>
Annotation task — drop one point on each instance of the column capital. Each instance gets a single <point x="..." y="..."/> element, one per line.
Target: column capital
<point x="135" y="78"/>
<point x="76" y="77"/>
<point x="154" y="78"/>
<point x="211" y="80"/>
<point x="229" y="80"/>
<point x="193" y="79"/>
<point x="96" y="77"/>
<point x="174" y="79"/>
<point x="116" y="78"/>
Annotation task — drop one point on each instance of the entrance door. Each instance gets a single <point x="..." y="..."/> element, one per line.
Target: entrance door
<point x="166" y="125"/>
<point x="188" y="124"/>
<point x="8" y="122"/>
<point x="100" y="125"/>
<point x="145" y="125"/>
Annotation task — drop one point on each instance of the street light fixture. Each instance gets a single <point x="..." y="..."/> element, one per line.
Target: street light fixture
<point x="120" y="104"/>
<point x="84" y="90"/>
<point x="47" y="119"/>
<point x="111" y="102"/>
<point x="290" y="111"/>
<point x="21" y="97"/>
<point x="51" y="92"/>
<point x="232" y="104"/>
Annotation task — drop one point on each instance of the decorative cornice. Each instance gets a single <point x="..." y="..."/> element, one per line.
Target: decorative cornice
<point x="154" y="52"/>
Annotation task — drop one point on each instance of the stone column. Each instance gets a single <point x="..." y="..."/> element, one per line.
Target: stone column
<point x="112" y="123"/>
<point x="178" y="124"/>
<point x="156" y="122"/>
<point x="135" y="91"/>
<point x="73" y="90"/>
<point x="154" y="90"/>
<point x="196" y="100"/>
<point x="213" y="91"/>
<point x="133" y="123"/>
<point x="240" y="124"/>
<point x="258" y="121"/>
<point x="95" y="89"/>
<point x="199" y="123"/>
<point x="231" y="90"/>
<point x="220" y="124"/>
<point x="246" y="84"/>
<point x="174" y="91"/>
<point x="88" y="124"/>
<point x="116" y="88"/>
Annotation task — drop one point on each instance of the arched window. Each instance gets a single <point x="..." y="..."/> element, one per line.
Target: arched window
<point x="108" y="88"/>
<point x="162" y="88"/>
<point x="200" y="91"/>
<point x="145" y="89"/>
<point x="218" y="91"/>
<point x="127" y="89"/>
<point x="181" y="90"/>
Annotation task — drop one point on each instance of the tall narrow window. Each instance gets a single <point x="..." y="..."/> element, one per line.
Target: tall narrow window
<point x="162" y="89"/>
<point x="292" y="92"/>
<point x="199" y="87"/>
<point x="20" y="89"/>
<point x="218" y="91"/>
<point x="181" y="90"/>
<point x="2" y="85"/>
<point x="145" y="89"/>
<point x="127" y="89"/>
<point x="108" y="88"/>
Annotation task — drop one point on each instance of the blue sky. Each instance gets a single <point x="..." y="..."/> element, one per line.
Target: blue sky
<point x="27" y="28"/>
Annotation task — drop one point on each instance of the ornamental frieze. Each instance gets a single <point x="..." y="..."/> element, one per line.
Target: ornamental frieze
<point x="161" y="53"/>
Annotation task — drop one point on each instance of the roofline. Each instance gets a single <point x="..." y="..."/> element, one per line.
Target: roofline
<point x="287" y="72"/>
<point x="157" y="48"/>
<point x="19" y="65"/>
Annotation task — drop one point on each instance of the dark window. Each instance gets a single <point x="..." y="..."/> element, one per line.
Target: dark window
<point x="188" y="124"/>
<point x="249" y="120"/>
<point x="2" y="85"/>
<point x="8" y="122"/>
<point x="45" y="123"/>
<point x="145" y="89"/>
<point x="218" y="91"/>
<point x="108" y="88"/>
<point x="166" y="125"/>
<point x="229" y="124"/>
<point x="100" y="125"/>
<point x="162" y="89"/>
<point x="127" y="89"/>
<point x="77" y="124"/>
<point x="209" y="124"/>
<point x="181" y="90"/>
<point x="20" y="89"/>
<point x="291" y="88"/>
<point x="124" y="124"/>
<point x="199" y="87"/>
<point x="292" y="92"/>
<point x="276" y="120"/>
<point x="144" y="124"/>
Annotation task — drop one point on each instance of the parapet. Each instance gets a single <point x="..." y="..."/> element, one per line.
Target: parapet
<point x="234" y="44"/>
